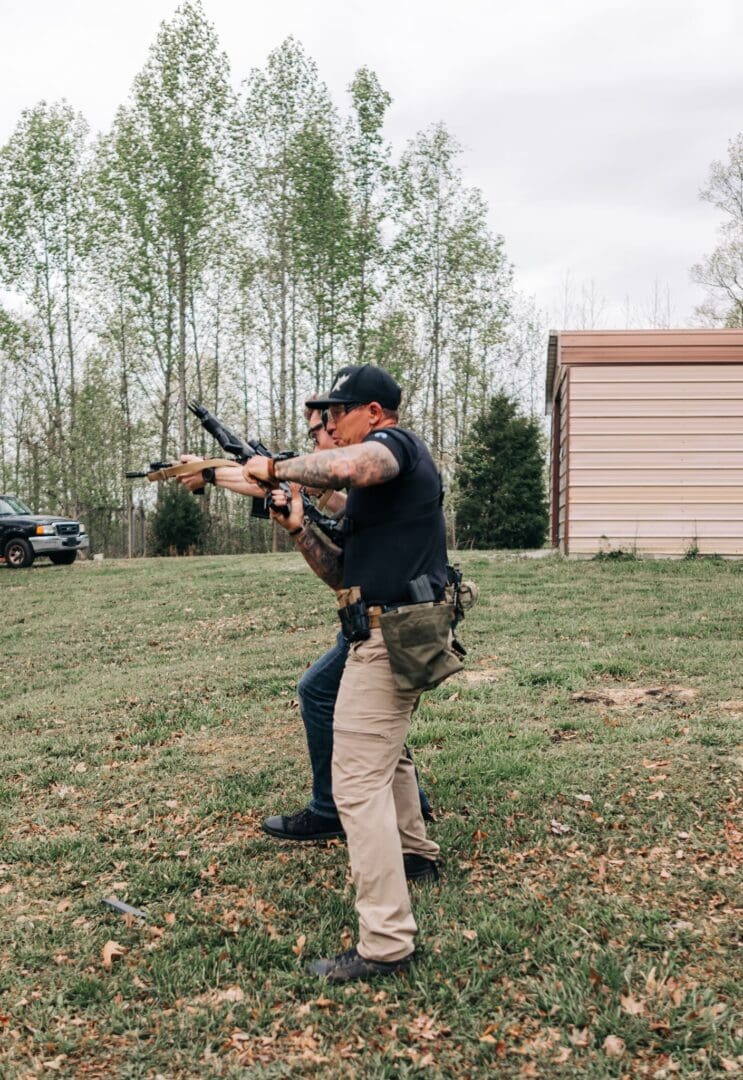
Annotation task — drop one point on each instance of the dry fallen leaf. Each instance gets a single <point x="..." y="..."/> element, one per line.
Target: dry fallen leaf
<point x="613" y="1046"/>
<point x="631" y="1005"/>
<point x="558" y="828"/>
<point x="110" y="951"/>
<point x="63" y="905"/>
<point x="298" y="949"/>
<point x="470" y="935"/>
<point x="579" y="1037"/>
<point x="55" y="1064"/>
<point x="230" y="993"/>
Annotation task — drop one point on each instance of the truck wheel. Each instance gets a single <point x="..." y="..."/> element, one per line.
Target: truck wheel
<point x="18" y="553"/>
<point x="63" y="558"/>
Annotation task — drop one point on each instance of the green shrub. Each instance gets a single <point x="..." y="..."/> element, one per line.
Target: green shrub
<point x="178" y="523"/>
<point x="501" y="498"/>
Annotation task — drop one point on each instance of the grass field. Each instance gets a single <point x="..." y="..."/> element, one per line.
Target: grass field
<point x="588" y="921"/>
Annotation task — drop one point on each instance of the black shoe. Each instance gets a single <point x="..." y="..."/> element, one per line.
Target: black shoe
<point x="419" y="868"/>
<point x="427" y="812"/>
<point x="304" y="825"/>
<point x="349" y="965"/>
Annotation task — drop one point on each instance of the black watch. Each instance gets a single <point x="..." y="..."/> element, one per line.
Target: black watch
<point x="210" y="475"/>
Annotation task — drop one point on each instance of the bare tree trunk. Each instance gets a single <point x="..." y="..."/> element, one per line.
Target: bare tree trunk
<point x="182" y="283"/>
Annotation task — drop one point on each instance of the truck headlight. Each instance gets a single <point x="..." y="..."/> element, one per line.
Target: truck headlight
<point x="82" y="529"/>
<point x="45" y="530"/>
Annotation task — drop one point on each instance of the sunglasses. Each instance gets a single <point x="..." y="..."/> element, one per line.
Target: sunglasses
<point x="335" y="412"/>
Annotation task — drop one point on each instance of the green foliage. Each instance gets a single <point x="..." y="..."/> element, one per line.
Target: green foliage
<point x="370" y="173"/>
<point x="454" y="279"/>
<point x="178" y="523"/>
<point x="501" y="501"/>
<point x="236" y="247"/>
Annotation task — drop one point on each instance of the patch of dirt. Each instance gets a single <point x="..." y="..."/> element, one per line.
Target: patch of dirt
<point x="735" y="707"/>
<point x="636" y="696"/>
<point x="570" y="735"/>
<point x="484" y="675"/>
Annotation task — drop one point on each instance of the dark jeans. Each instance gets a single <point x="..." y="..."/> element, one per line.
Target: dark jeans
<point x="318" y="689"/>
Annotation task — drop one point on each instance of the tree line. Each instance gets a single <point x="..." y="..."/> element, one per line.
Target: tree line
<point x="236" y="246"/>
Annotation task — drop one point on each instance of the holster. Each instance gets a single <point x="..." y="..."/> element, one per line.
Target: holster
<point x="353" y="614"/>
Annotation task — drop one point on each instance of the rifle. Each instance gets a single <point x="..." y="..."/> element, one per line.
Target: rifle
<point x="244" y="450"/>
<point x="166" y="470"/>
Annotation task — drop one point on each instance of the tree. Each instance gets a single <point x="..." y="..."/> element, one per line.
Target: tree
<point x="450" y="272"/>
<point x="322" y="231"/>
<point x="368" y="157"/>
<point x="178" y="524"/>
<point x="43" y="239"/>
<point x="722" y="272"/>
<point x="523" y="355"/>
<point x="278" y="105"/>
<point x="501" y="501"/>
<point x="160" y="193"/>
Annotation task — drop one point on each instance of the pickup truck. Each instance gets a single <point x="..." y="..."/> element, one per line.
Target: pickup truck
<point x="25" y="535"/>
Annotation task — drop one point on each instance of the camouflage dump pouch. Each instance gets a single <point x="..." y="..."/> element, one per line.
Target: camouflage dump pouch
<point x="419" y="643"/>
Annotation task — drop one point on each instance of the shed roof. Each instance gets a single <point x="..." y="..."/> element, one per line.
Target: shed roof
<point x="640" y="347"/>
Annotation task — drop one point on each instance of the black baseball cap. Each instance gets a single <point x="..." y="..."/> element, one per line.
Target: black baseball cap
<point x="358" y="384"/>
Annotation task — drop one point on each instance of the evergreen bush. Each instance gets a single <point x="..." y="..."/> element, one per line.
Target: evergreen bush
<point x="500" y="481"/>
<point x="178" y="523"/>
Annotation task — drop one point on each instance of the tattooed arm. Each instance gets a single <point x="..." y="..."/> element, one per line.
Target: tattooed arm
<point x="325" y="560"/>
<point x="362" y="465"/>
<point x="319" y="554"/>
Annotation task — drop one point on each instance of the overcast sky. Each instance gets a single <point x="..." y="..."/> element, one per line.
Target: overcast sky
<point x="589" y="125"/>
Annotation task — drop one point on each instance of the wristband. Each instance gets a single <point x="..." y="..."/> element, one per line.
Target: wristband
<point x="210" y="475"/>
<point x="271" y="469"/>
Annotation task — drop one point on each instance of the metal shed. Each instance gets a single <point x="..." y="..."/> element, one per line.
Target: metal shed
<point x="647" y="441"/>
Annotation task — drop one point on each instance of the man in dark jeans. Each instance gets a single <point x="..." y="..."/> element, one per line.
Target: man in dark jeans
<point x="318" y="687"/>
<point x="317" y="691"/>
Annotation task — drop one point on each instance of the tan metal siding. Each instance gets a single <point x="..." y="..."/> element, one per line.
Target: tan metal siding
<point x="563" y="488"/>
<point x="656" y="407"/>
<point x="656" y="457"/>
<point x="559" y="461"/>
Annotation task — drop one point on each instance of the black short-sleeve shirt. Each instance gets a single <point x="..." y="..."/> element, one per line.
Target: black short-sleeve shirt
<point x="396" y="530"/>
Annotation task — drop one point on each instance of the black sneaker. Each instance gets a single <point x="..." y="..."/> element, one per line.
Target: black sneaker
<point x="419" y="868"/>
<point x="349" y="965"/>
<point x="304" y="825"/>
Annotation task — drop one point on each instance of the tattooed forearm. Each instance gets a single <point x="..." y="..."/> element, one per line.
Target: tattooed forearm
<point x="349" y="466"/>
<point x="326" y="561"/>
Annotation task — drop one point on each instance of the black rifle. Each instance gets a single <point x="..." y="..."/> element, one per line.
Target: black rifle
<point x="243" y="450"/>
<point x="155" y="466"/>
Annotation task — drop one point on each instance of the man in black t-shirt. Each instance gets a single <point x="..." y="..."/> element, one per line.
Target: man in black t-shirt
<point x="396" y="534"/>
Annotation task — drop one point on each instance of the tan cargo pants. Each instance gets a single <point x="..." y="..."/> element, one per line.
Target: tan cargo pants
<point x="376" y="794"/>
